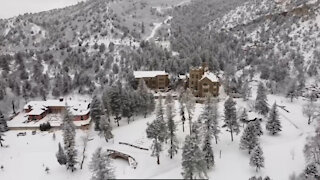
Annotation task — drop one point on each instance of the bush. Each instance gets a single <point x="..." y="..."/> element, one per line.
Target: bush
<point x="45" y="126"/>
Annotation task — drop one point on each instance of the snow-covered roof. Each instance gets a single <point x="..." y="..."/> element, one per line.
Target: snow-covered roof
<point x="47" y="103"/>
<point x="79" y="112"/>
<point x="142" y="74"/>
<point x="212" y="77"/>
<point x="76" y="107"/>
<point x="37" y="111"/>
<point x="182" y="76"/>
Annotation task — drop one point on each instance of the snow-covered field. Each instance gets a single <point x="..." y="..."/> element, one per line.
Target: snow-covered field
<point x="31" y="154"/>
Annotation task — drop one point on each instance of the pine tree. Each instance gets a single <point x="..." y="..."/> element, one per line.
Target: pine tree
<point x="256" y="158"/>
<point x="209" y="117"/>
<point x="193" y="162"/>
<point x="311" y="171"/>
<point x="147" y="103"/>
<point x="244" y="117"/>
<point x="182" y="115"/>
<point x="245" y="91"/>
<point x="157" y="131"/>
<point x="105" y="129"/>
<point x="312" y="148"/>
<point x="261" y="100"/>
<point x="257" y="127"/>
<point x="115" y="97"/>
<point x="100" y="166"/>
<point x="230" y="117"/>
<point x="128" y="104"/>
<point x="61" y="156"/>
<point x="273" y="125"/>
<point x="189" y="100"/>
<point x="3" y="122"/>
<point x="106" y="104"/>
<point x="171" y="129"/>
<point x="69" y="134"/>
<point x="249" y="139"/>
<point x="2" y="129"/>
<point x="96" y="112"/>
<point x="208" y="152"/>
<point x="292" y="91"/>
<point x="150" y="103"/>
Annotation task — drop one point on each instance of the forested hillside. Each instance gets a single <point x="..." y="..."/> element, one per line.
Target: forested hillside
<point x="275" y="39"/>
<point x="46" y="53"/>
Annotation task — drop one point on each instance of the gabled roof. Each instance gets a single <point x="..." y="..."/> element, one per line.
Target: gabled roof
<point x="142" y="74"/>
<point x="212" y="77"/>
<point x="37" y="111"/>
<point x="75" y="107"/>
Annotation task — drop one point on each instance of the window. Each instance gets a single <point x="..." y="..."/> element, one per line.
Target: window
<point x="81" y="117"/>
<point x="205" y="90"/>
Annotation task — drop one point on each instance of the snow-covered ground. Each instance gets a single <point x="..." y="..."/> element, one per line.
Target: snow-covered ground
<point x="29" y="155"/>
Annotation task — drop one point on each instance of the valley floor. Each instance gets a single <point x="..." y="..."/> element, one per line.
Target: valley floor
<point x="26" y="157"/>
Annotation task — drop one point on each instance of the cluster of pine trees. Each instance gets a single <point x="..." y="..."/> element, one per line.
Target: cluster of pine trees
<point x="197" y="151"/>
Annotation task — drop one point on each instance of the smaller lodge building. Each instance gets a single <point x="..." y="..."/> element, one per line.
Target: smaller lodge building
<point x="154" y="79"/>
<point x="37" y="110"/>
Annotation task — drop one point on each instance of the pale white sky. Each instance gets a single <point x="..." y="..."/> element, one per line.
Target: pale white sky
<point x="10" y="8"/>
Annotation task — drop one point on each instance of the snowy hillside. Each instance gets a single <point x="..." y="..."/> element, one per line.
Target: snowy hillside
<point x="291" y="25"/>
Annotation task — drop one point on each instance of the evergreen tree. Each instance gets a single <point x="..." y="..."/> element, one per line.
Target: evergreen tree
<point x="150" y="103"/>
<point x="311" y="171"/>
<point x="69" y="134"/>
<point x="189" y="100"/>
<point x="245" y="91"/>
<point x="96" y="112"/>
<point x="244" y="117"/>
<point x="312" y="148"/>
<point x="147" y="103"/>
<point x="207" y="150"/>
<point x="256" y="158"/>
<point x="171" y="129"/>
<point x="292" y="91"/>
<point x="157" y="131"/>
<point x="182" y="115"/>
<point x="230" y="117"/>
<point x="2" y="129"/>
<point x="3" y="122"/>
<point x="106" y="104"/>
<point x="128" y="104"/>
<point x="105" y="129"/>
<point x="100" y="166"/>
<point x="249" y="139"/>
<point x="193" y="162"/>
<point x="115" y="97"/>
<point x="209" y="117"/>
<point x="61" y="156"/>
<point x="261" y="100"/>
<point x="257" y="127"/>
<point x="273" y="125"/>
